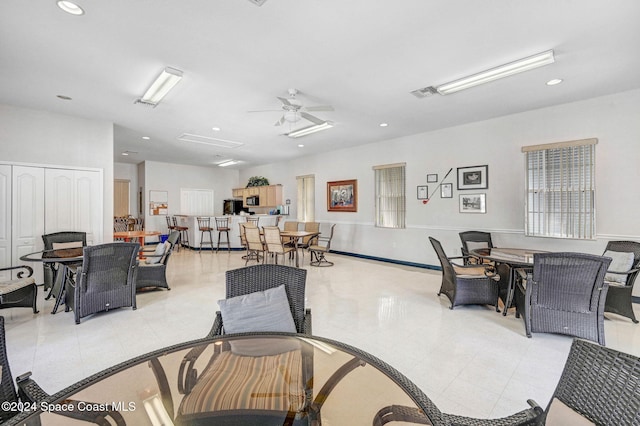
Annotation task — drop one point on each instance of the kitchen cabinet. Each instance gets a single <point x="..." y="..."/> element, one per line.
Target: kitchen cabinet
<point x="270" y="195"/>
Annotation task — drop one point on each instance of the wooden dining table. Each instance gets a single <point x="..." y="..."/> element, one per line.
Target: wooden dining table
<point x="295" y="237"/>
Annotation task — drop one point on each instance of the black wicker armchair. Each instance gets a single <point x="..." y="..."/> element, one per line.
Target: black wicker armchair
<point x="621" y="282"/>
<point x="154" y="274"/>
<point x="466" y="285"/>
<point x="20" y="291"/>
<point x="472" y="240"/>
<point x="106" y="280"/>
<point x="64" y="239"/>
<point x="565" y="294"/>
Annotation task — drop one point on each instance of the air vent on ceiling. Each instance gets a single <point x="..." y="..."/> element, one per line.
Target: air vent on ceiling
<point x="206" y="140"/>
<point x="424" y="92"/>
<point x="258" y="2"/>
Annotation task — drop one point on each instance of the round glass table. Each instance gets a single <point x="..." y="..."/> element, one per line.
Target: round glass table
<point x="244" y="379"/>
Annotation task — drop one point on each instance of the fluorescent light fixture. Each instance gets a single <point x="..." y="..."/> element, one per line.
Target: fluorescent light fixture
<point x="70" y="7"/>
<point x="228" y="163"/>
<point x="157" y="413"/>
<point x="554" y="81"/>
<point x="310" y="129"/>
<point x="526" y="64"/>
<point x="163" y="84"/>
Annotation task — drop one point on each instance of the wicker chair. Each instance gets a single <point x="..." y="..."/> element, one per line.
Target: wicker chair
<point x="274" y="244"/>
<point x="466" y="285"/>
<point x="63" y="239"/>
<point x="599" y="383"/>
<point x="619" y="294"/>
<point x="106" y="280"/>
<point x="472" y="240"/>
<point x="319" y="247"/>
<point x="565" y="294"/>
<point x="20" y="292"/>
<point x="155" y="274"/>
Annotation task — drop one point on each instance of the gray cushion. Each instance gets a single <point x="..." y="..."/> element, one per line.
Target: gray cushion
<point x="620" y="262"/>
<point x="562" y="415"/>
<point x="260" y="311"/>
<point x="157" y="254"/>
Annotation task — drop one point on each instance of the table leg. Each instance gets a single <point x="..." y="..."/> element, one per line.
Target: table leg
<point x="64" y="271"/>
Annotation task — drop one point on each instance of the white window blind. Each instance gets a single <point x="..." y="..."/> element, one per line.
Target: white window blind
<point x="306" y="198"/>
<point x="390" y="195"/>
<point x="560" y="185"/>
<point x="196" y="202"/>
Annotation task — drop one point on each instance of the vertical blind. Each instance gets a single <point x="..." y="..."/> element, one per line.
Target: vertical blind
<point x="560" y="185"/>
<point x="390" y="195"/>
<point x="306" y="198"/>
<point x="196" y="202"/>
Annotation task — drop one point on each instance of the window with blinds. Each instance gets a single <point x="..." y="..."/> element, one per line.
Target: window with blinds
<point x="390" y="195"/>
<point x="306" y="198"/>
<point x="560" y="190"/>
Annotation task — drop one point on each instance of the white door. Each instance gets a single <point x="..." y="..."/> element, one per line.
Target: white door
<point x="73" y="200"/>
<point x="27" y="210"/>
<point x="5" y="219"/>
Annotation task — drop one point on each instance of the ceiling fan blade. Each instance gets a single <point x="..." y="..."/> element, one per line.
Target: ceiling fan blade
<point x="311" y="118"/>
<point x="319" y="108"/>
<point x="284" y="101"/>
<point x="280" y="122"/>
<point x="266" y="110"/>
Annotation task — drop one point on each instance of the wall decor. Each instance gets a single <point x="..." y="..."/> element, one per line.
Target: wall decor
<point x="158" y="203"/>
<point x="432" y="178"/>
<point x="446" y="190"/>
<point x="476" y="177"/>
<point x="342" y="196"/>
<point x="473" y="203"/>
<point x="423" y="192"/>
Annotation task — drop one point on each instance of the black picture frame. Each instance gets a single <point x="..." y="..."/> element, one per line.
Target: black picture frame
<point x="473" y="178"/>
<point x="446" y="190"/>
<point x="432" y="178"/>
<point x="473" y="203"/>
<point x="422" y="192"/>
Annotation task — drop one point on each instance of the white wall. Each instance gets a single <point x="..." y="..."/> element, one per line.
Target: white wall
<point x="47" y="138"/>
<point x="612" y="119"/>
<point x="126" y="171"/>
<point x="169" y="177"/>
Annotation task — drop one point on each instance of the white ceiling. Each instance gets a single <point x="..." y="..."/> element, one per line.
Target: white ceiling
<point x="363" y="57"/>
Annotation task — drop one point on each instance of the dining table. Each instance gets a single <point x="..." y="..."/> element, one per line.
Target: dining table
<point x="240" y="379"/>
<point x="127" y="236"/>
<point x="295" y="237"/>
<point x="68" y="259"/>
<point x="512" y="258"/>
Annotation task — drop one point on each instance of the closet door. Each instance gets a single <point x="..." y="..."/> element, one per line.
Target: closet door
<point x="5" y="219"/>
<point x="73" y="200"/>
<point x="27" y="209"/>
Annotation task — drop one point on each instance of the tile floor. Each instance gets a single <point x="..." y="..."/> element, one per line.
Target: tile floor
<point x="470" y="361"/>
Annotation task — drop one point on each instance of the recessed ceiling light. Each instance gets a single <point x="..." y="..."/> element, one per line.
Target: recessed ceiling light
<point x="300" y="145"/>
<point x="146" y="138"/>
<point x="125" y="153"/>
<point x="554" y="82"/>
<point x="70" y="7"/>
<point x="383" y="124"/>
<point x="63" y="97"/>
<point x="215" y="129"/>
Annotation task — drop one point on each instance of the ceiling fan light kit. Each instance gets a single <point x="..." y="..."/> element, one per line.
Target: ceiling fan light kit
<point x="167" y="79"/>
<point x="506" y="70"/>
<point x="310" y="129"/>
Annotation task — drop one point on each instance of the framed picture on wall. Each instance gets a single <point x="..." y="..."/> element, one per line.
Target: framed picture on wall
<point x="423" y="192"/>
<point x="432" y="178"/>
<point x="342" y="196"/>
<point x="473" y="203"/>
<point x="476" y="177"/>
<point x="446" y="190"/>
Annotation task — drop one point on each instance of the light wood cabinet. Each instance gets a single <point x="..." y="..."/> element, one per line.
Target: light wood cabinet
<point x="270" y="196"/>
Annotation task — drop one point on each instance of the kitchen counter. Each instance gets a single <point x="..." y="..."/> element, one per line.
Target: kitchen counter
<point x="234" y="228"/>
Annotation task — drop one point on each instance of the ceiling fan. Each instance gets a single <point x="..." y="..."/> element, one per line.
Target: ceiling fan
<point x="294" y="110"/>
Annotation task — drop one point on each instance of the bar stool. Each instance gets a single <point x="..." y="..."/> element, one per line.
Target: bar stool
<point x="222" y="224"/>
<point x="253" y="220"/>
<point x="184" y="233"/>
<point x="204" y="224"/>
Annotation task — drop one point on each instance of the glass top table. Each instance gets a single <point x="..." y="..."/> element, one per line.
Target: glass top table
<point x="251" y="379"/>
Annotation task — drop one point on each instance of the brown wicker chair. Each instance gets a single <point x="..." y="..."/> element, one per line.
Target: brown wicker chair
<point x="619" y="294"/>
<point x="472" y="240"/>
<point x="20" y="292"/>
<point x="106" y="280"/>
<point x="466" y="285"/>
<point x="565" y="294"/>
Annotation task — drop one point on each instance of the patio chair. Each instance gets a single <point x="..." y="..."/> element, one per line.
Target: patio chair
<point x="153" y="271"/>
<point x="255" y="246"/>
<point x="319" y="247"/>
<point x="106" y="280"/>
<point x="472" y="240"/>
<point x="56" y="240"/>
<point x="565" y="294"/>
<point x="274" y="244"/>
<point x="624" y="269"/>
<point x="19" y="292"/>
<point x="466" y="284"/>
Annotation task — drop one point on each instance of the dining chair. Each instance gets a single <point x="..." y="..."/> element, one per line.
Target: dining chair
<point x="565" y="294"/>
<point x="466" y="284"/>
<point x="621" y="276"/>
<point x="255" y="245"/>
<point x="274" y="244"/>
<point x="306" y="241"/>
<point x="319" y="247"/>
<point x="473" y="240"/>
<point x="57" y="240"/>
<point x="204" y="226"/>
<point x="106" y="280"/>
